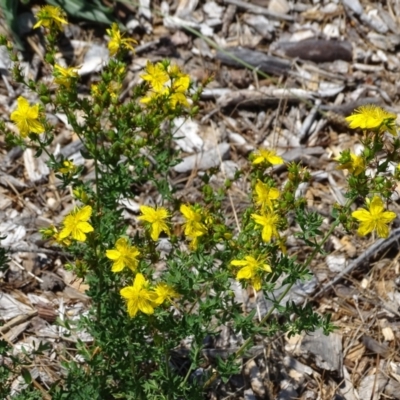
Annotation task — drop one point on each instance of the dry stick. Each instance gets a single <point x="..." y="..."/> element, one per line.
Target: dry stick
<point x="376" y="377"/>
<point x="274" y="136"/>
<point x="379" y="245"/>
<point x="38" y="250"/>
<point x="17" y="321"/>
<point x="24" y="269"/>
<point x="259" y="10"/>
<point x="16" y="192"/>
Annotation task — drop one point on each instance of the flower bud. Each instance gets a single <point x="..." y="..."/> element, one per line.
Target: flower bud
<point x="96" y="109"/>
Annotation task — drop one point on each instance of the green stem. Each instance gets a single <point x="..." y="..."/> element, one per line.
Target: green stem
<point x="167" y="369"/>
<point x="96" y="171"/>
<point x="183" y="383"/>
<point x="97" y="264"/>
<point x="51" y="157"/>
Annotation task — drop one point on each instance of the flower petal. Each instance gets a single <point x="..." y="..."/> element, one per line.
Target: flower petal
<point x="361" y="214"/>
<point x="366" y="227"/>
<point x="382" y="229"/>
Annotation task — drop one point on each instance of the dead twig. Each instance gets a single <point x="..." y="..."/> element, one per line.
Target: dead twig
<point x="378" y="246"/>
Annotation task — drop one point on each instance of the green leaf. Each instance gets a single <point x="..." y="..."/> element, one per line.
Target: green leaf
<point x="9" y="8"/>
<point x="26" y="375"/>
<point x="91" y="11"/>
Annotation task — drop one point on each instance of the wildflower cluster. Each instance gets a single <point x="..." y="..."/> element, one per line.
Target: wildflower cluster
<point x="142" y="296"/>
<point x="369" y="171"/>
<point x="167" y="84"/>
<point x="264" y="196"/>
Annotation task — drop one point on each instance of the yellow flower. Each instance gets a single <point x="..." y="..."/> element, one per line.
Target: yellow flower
<point x="139" y="297"/>
<point x="76" y="225"/>
<point x="373" y="117"/>
<point x="356" y="164"/>
<point x="181" y="84"/>
<point x="269" y="222"/>
<point x="117" y="41"/>
<point x="49" y="16"/>
<point x="156" y="76"/>
<point x="374" y="218"/>
<point x="267" y="156"/>
<point x="68" y="167"/>
<point x="124" y="255"/>
<point x="193" y="226"/>
<point x="252" y="270"/>
<point x="164" y="292"/>
<point x="51" y="232"/>
<point x="264" y="194"/>
<point x="174" y="92"/>
<point x="177" y="91"/>
<point x="156" y="217"/>
<point x="27" y="118"/>
<point x="193" y="220"/>
<point x="178" y="98"/>
<point x="64" y="76"/>
<point x="61" y="241"/>
<point x="194" y="238"/>
<point x="94" y="90"/>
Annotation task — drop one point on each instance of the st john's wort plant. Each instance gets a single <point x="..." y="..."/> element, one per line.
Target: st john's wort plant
<point x="148" y="299"/>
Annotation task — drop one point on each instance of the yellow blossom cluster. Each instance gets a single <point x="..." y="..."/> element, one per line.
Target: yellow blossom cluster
<point x="68" y="168"/>
<point x="253" y="268"/>
<point x="142" y="296"/>
<point x="75" y="227"/>
<point x="369" y="118"/>
<point x="264" y="195"/>
<point x="64" y="76"/>
<point x="376" y="120"/>
<point x="166" y="82"/>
